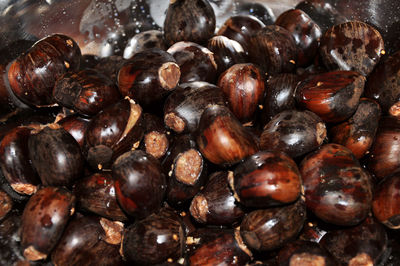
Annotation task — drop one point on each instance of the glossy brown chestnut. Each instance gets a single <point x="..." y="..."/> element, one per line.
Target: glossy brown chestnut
<point x="15" y="163"/>
<point x="56" y="156"/>
<point x="43" y="221"/>
<point x="358" y="132"/>
<point x="353" y="45"/>
<point x="294" y="132"/>
<point x="156" y="139"/>
<point x="258" y="10"/>
<point x="33" y="74"/>
<point x="271" y="228"/>
<point x="189" y="20"/>
<point x="156" y="239"/>
<point x="112" y="132"/>
<point x="184" y="107"/>
<point x="196" y="62"/>
<point x="217" y="246"/>
<point x="273" y="48"/>
<point x="144" y="40"/>
<point x="221" y="138"/>
<point x="76" y="125"/>
<point x="305" y="32"/>
<point x="243" y="86"/>
<point x="139" y="183"/>
<point x="96" y="194"/>
<point x="110" y="66"/>
<point x="386" y="202"/>
<point x="384" y="156"/>
<point x="149" y="76"/>
<point x="87" y="92"/>
<point x="266" y="179"/>
<point x="333" y="96"/>
<point x="337" y="189"/>
<point x="215" y="203"/>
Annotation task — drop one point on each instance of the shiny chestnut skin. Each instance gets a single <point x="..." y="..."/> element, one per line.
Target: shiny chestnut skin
<point x="384" y="157"/>
<point x="195" y="61"/>
<point x="305" y="32"/>
<point x="87" y="91"/>
<point x="110" y="66"/>
<point x="56" y="156"/>
<point x="155" y="239"/>
<point x="53" y="56"/>
<point x="337" y="189"/>
<point x="15" y="163"/>
<point x="189" y="20"/>
<point x="221" y="138"/>
<point x="358" y="132"/>
<point x="271" y="228"/>
<point x="144" y="40"/>
<point x="266" y="179"/>
<point x="353" y="45"/>
<point x="258" y="10"/>
<point x="294" y="132"/>
<point x="76" y="125"/>
<point x="243" y="86"/>
<point x="273" y="48"/>
<point x="333" y="96"/>
<point x="215" y="203"/>
<point x="43" y="221"/>
<point x="139" y="184"/>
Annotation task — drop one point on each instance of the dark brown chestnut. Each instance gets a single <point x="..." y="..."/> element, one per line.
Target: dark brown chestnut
<point x="144" y="40"/>
<point x="76" y="125"/>
<point x="294" y="132"/>
<point x="353" y="45"/>
<point x="266" y="179"/>
<point x="139" y="184"/>
<point x="110" y="66"/>
<point x="244" y="87"/>
<point x="189" y="20"/>
<point x="333" y="96"/>
<point x="215" y="203"/>
<point x="43" y="221"/>
<point x="87" y="91"/>
<point x="337" y="189"/>
<point x="56" y="156"/>
<point x="271" y="228"/>
<point x="221" y="138"/>
<point x="33" y="74"/>
<point x="259" y="10"/>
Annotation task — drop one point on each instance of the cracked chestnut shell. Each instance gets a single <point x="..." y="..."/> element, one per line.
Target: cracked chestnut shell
<point x="156" y="138"/>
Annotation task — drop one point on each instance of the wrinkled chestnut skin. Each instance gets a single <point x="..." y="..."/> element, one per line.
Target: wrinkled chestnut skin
<point x="304" y="253"/>
<point x="184" y="107"/>
<point x="149" y="76"/>
<point x="333" y="96"/>
<point x="15" y="163"/>
<point x="337" y="189"/>
<point x="76" y="125"/>
<point x="216" y="246"/>
<point x="195" y="61"/>
<point x="243" y="86"/>
<point x="96" y="193"/>
<point x="43" y="221"/>
<point x="383" y="84"/>
<point x="189" y="20"/>
<point x="386" y="202"/>
<point x="215" y="203"/>
<point x="353" y="45"/>
<point x="273" y="48"/>
<point x="139" y="184"/>
<point x="293" y="132"/>
<point x="87" y="91"/>
<point x="271" y="228"/>
<point x="221" y="138"/>
<point x="56" y="156"/>
<point x="279" y="95"/>
<point x="266" y="179"/>
<point x="144" y="40"/>
<point x="358" y="132"/>
<point x="305" y="32"/>
<point x="33" y="74"/>
<point x="240" y="28"/>
<point x="112" y="132"/>
<point x="384" y="157"/>
<point x="84" y="243"/>
<point x="364" y="244"/>
<point x="155" y="239"/>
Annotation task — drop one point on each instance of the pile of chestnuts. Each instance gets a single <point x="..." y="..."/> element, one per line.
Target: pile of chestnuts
<point x="261" y="142"/>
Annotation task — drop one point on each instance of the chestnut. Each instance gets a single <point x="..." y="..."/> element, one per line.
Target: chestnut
<point x="144" y="40"/>
<point x="110" y="66"/>
<point x="76" y="125"/>
<point x="258" y="10"/>
<point x="156" y="139"/>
